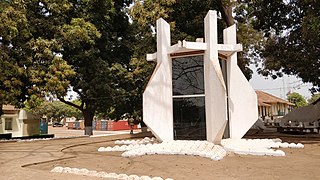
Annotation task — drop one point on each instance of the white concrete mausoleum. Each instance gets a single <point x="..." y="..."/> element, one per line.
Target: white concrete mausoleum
<point x="197" y="91"/>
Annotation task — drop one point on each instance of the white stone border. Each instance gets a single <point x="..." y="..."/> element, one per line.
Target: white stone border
<point x="102" y="174"/>
<point x="193" y="148"/>
<point x="260" y="147"/>
<point x="145" y="140"/>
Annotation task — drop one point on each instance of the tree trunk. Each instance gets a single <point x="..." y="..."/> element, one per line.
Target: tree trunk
<point x="88" y="114"/>
<point x="225" y="9"/>
<point x="88" y="118"/>
<point x="1" y="111"/>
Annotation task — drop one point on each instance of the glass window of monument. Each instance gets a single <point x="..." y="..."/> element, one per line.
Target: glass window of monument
<point x="188" y="98"/>
<point x="187" y="75"/>
<point x="189" y="118"/>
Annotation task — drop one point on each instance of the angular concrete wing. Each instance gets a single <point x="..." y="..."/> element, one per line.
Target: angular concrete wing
<point x="242" y="99"/>
<point x="215" y="89"/>
<point x="157" y="97"/>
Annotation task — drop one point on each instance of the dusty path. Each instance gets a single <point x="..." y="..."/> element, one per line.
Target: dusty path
<point x="24" y="160"/>
<point x="19" y="161"/>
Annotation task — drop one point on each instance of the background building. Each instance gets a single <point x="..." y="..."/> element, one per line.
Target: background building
<point x="18" y="122"/>
<point x="271" y="107"/>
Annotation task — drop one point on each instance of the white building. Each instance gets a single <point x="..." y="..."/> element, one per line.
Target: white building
<point x="197" y="91"/>
<point x="18" y="122"/>
<point x="271" y="107"/>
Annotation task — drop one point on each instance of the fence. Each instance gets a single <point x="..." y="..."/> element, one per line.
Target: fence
<point x="103" y="125"/>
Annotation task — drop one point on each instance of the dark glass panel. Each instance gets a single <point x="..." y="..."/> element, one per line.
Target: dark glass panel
<point x="189" y="118"/>
<point x="188" y="75"/>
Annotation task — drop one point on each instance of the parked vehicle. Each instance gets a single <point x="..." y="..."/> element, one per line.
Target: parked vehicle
<point x="57" y="124"/>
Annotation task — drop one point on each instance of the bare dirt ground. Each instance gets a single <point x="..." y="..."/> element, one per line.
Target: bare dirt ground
<point x="34" y="160"/>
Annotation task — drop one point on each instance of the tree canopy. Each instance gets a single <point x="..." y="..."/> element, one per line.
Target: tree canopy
<point x="55" y="110"/>
<point x="53" y="46"/>
<point x="28" y="63"/>
<point x="292" y="30"/>
<point x="314" y="97"/>
<point x="297" y="99"/>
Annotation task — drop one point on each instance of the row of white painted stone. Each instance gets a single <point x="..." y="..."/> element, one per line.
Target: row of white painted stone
<point x="103" y="174"/>
<point x="196" y="148"/>
<point x="146" y="140"/>
<point x="258" y="146"/>
<point x="260" y="143"/>
<point x="240" y="146"/>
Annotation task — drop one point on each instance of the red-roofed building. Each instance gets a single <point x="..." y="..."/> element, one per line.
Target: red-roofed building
<point x="271" y="107"/>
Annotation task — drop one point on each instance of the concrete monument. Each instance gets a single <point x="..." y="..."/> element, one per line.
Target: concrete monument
<point x="197" y="90"/>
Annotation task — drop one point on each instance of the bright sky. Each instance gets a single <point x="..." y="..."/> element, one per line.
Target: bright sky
<point x="280" y="86"/>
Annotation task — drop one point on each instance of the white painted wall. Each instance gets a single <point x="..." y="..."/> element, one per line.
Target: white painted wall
<point x="243" y="103"/>
<point x="16" y="125"/>
<point x="157" y="98"/>
<point x="30" y="124"/>
<point x="215" y="90"/>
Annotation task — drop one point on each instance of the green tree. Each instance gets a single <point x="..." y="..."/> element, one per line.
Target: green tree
<point x="28" y="63"/>
<point x="33" y="102"/>
<point x="13" y="83"/>
<point x="55" y="110"/>
<point x="314" y="97"/>
<point x="297" y="100"/>
<point x="292" y="30"/>
<point x="69" y="44"/>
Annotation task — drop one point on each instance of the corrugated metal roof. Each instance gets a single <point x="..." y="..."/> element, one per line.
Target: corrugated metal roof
<point x="265" y="98"/>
